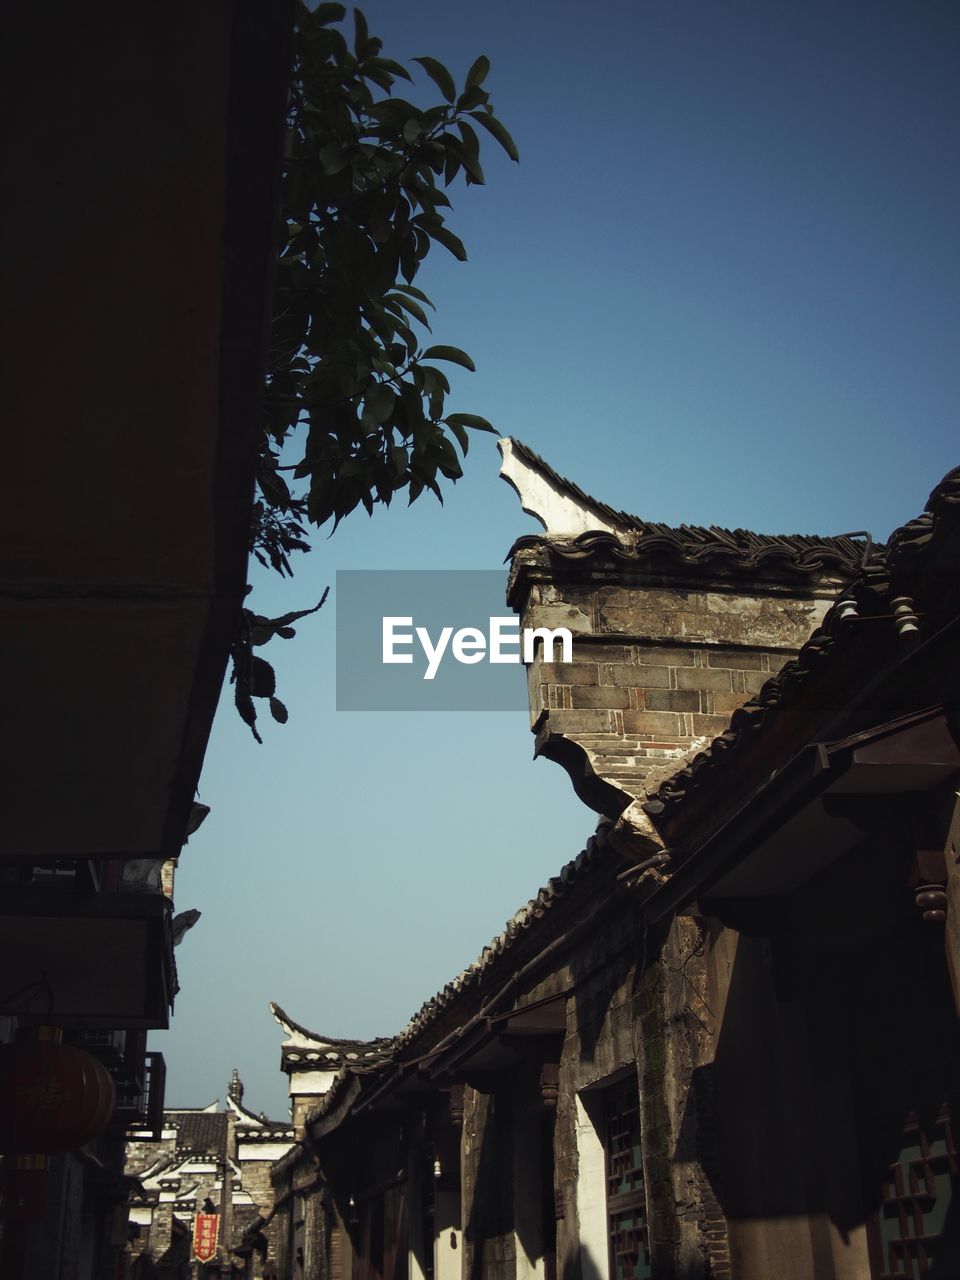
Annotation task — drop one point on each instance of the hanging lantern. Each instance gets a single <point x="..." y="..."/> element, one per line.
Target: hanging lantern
<point x="53" y="1097"/>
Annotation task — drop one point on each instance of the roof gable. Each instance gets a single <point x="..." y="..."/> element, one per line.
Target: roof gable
<point x="579" y="527"/>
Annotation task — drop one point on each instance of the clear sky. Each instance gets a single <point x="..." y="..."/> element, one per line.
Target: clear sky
<point x="720" y="287"/>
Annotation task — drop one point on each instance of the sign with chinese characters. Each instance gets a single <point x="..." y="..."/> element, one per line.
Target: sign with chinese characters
<point x="206" y="1230"/>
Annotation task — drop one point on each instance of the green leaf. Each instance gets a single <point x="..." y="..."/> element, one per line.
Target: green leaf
<point x="381" y="78"/>
<point x="452" y="470"/>
<point x="449" y="241"/>
<point x="471" y="142"/>
<point x="461" y="434"/>
<point x="382" y="323"/>
<point x="436" y="403"/>
<point x="425" y="194"/>
<point x="455" y="356"/>
<point x="451" y="166"/>
<point x="413" y="307"/>
<point x="409" y="262"/>
<point x="437" y="377"/>
<point x="391" y="67"/>
<point x="278" y="711"/>
<point x="478" y="72"/>
<point x="263" y="682"/>
<point x="414" y="293"/>
<point x="494" y="127"/>
<point x="329" y="12"/>
<point x="361" y="33"/>
<point x="470" y="99"/>
<point x="412" y="131"/>
<point x="378" y="404"/>
<point x="469" y="420"/>
<point x="440" y="76"/>
<point x="332" y="159"/>
<point x="248" y="712"/>
<point x="465" y="153"/>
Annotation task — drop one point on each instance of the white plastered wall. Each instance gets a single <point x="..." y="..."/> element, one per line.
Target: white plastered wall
<point x="591" y="1188"/>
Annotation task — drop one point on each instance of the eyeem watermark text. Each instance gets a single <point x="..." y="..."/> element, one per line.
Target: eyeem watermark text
<point x="436" y="640"/>
<point x="503" y="642"/>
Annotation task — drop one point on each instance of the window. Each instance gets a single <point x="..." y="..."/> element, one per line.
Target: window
<point x="629" y="1251"/>
<point x="611" y="1201"/>
<point x="911" y="1234"/>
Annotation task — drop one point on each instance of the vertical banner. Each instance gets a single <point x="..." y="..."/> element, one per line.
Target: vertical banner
<point x="206" y="1230"/>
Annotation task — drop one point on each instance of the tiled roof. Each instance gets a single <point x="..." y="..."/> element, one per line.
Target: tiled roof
<point x="329" y="1099"/>
<point x="258" y="1124"/>
<point x="595" y="855"/>
<point x="931" y="540"/>
<point x="596" y="852"/>
<point x="265" y="1133"/>
<point x="739" y="550"/>
<point x="316" y="1050"/>
<point x="203" y="1132"/>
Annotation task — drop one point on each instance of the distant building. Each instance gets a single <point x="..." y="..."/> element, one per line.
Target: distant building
<point x="204" y="1157"/>
<point x="301" y="1216"/>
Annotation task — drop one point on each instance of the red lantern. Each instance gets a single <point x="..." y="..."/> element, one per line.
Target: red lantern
<point x="53" y="1097"/>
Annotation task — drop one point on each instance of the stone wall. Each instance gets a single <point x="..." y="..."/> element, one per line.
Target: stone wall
<point x="637" y="1008"/>
<point x="489" y="1241"/>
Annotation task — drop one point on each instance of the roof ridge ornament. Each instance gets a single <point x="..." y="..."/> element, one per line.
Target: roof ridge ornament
<point x="579" y="527"/>
<point x="562" y="507"/>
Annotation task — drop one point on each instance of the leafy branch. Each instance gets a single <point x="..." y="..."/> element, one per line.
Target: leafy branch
<point x="254" y="677"/>
<point x="355" y="404"/>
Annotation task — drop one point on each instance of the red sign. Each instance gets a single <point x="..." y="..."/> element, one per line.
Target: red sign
<point x="206" y="1229"/>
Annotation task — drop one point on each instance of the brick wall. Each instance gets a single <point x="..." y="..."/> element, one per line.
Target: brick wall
<point x="489" y="1247"/>
<point x="660" y="661"/>
<point x="639" y="1005"/>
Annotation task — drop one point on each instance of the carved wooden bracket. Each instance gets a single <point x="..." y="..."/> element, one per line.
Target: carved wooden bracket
<point x="550" y="1084"/>
<point x="455" y="1105"/>
<point x="928" y="880"/>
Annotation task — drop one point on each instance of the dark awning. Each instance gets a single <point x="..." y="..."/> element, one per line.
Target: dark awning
<point x="790" y="829"/>
<point x="138" y="227"/>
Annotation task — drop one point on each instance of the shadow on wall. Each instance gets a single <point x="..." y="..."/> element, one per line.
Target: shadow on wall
<point x="600" y="973"/>
<point x="490" y="1221"/>
<point x="839" y="1048"/>
<point x="174" y="1264"/>
<point x="582" y="1265"/>
<point x="144" y="1267"/>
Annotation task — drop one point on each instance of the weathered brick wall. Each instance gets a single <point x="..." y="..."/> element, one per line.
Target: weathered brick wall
<point x="316" y="1259"/>
<point x="301" y="1104"/>
<point x="278" y="1260"/>
<point x="489" y="1245"/>
<point x="659" y="663"/>
<point x="638" y="1007"/>
<point x="672" y="692"/>
<point x="675" y="1046"/>
<point x="637" y="708"/>
<point x="256" y="1183"/>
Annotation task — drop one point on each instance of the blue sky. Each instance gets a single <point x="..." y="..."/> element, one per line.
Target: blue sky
<point x="721" y="287"/>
